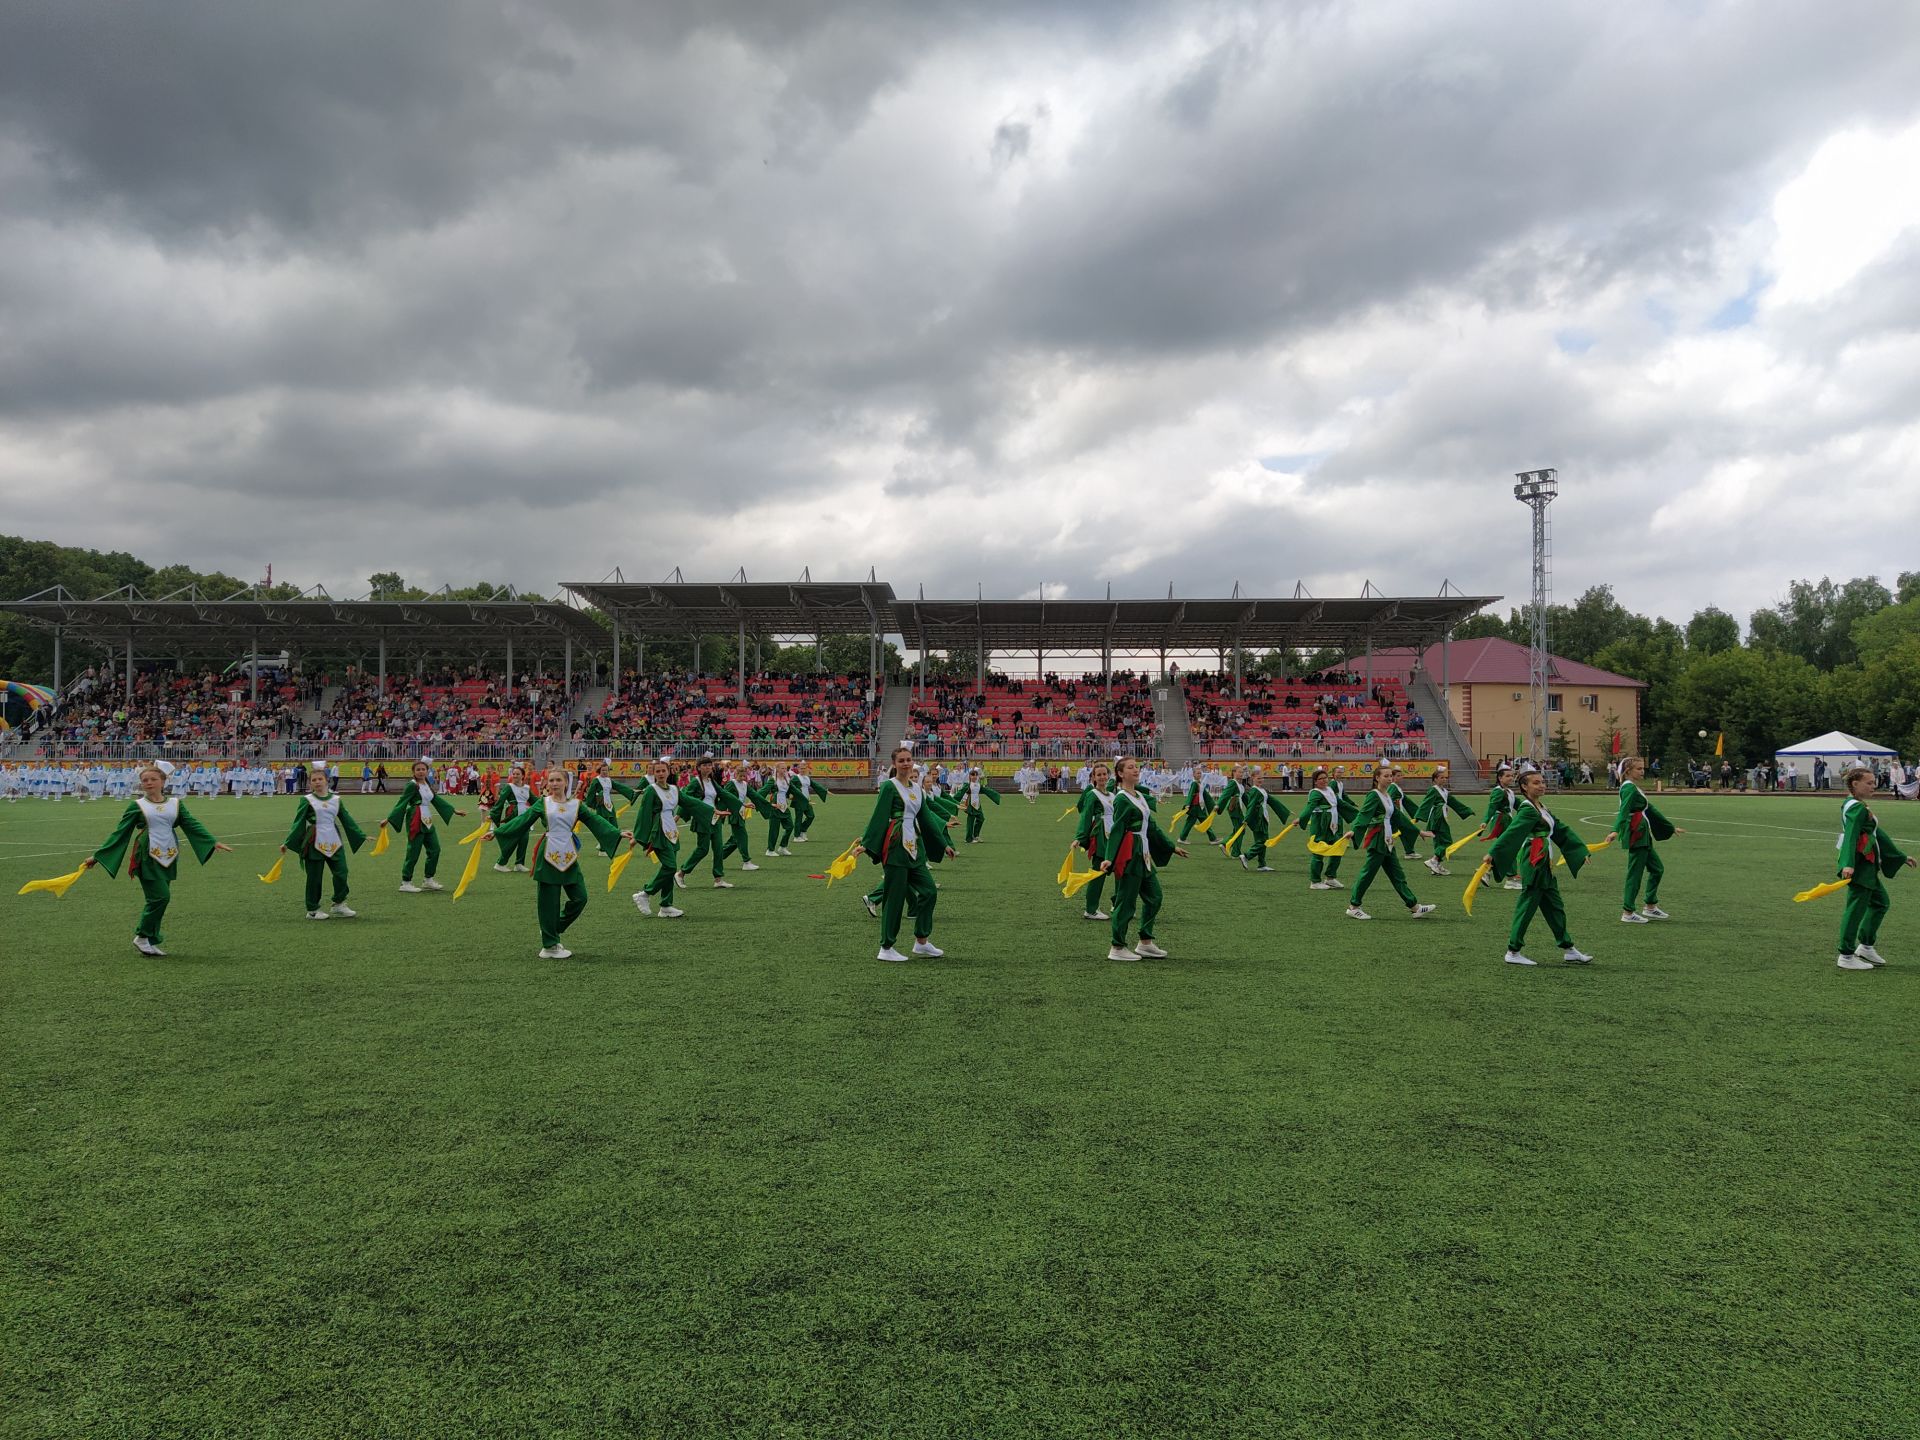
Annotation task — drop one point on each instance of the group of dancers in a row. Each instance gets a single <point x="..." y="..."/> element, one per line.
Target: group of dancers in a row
<point x="911" y="828"/>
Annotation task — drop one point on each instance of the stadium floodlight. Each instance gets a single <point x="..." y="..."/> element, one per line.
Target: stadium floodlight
<point x="1536" y="490"/>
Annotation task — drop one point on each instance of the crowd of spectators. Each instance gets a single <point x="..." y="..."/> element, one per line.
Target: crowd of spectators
<point x="1332" y="712"/>
<point x="1051" y="717"/>
<point x="468" y="711"/>
<point x="803" y="716"/>
<point x="173" y="714"/>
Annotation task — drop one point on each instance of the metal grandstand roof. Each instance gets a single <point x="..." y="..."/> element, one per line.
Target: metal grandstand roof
<point x="867" y="607"/>
<point x="186" y="622"/>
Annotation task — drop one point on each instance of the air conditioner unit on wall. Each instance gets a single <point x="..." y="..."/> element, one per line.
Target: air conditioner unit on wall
<point x="1516" y="695"/>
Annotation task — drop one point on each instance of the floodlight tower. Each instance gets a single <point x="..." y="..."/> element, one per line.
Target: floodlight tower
<point x="1536" y="489"/>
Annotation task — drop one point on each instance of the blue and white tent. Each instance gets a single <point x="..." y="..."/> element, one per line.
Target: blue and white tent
<point x="1838" y="749"/>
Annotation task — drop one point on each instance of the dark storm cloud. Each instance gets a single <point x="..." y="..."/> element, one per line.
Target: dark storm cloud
<point x="846" y="283"/>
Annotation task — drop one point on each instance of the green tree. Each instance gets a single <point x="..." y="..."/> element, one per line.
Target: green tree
<point x="1712" y="631"/>
<point x="1816" y="621"/>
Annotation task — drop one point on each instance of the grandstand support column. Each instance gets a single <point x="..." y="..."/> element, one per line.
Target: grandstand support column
<point x="129" y="665"/>
<point x="616" y="660"/>
<point x="980" y="663"/>
<point x="1446" y="668"/>
<point x="253" y="664"/>
<point x="696" y="654"/>
<point x="740" y="676"/>
<point x="381" y="688"/>
<point x="509" y="667"/>
<point x="569" y="671"/>
<point x="1369" y="664"/>
<point x="56" y="662"/>
<point x="1237" y="659"/>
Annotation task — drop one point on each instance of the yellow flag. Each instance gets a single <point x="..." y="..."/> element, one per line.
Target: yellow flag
<point x="1473" y="885"/>
<point x="1462" y="844"/>
<point x="1066" y="866"/>
<point x="56" y="887"/>
<point x="1329" y="852"/>
<point x="473" y="865"/>
<point x="1206" y="823"/>
<point x="274" y="874"/>
<point x="843" y="865"/>
<point x="1720" y="743"/>
<point x="1235" y="836"/>
<point x="618" y="868"/>
<point x="381" y="840"/>
<point x="1078" y="881"/>
<point x="1591" y="850"/>
<point x="1282" y="835"/>
<point x="469" y="839"/>
<point x="1070" y="810"/>
<point x="1832" y="887"/>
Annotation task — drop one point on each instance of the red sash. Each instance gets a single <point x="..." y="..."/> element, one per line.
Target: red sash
<point x="1537" y="850"/>
<point x="1124" y="855"/>
<point x="1635" y="824"/>
<point x="1367" y="844"/>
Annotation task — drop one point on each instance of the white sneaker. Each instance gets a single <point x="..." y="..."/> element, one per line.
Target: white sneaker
<point x="927" y="948"/>
<point x="547" y="955"/>
<point x="1093" y="915"/>
<point x="1634" y="917"/>
<point x="1486" y="881"/>
<point x="503" y="869"/>
<point x="785" y="851"/>
<point x="1419" y="910"/>
<point x="431" y="885"/>
<point x="345" y="914"/>
<point x="1434" y="866"/>
<point x="680" y="879"/>
<point x="1263" y="869"/>
<point x="1354" y="912"/>
<point x="1573" y="955"/>
<point x="1333" y="884"/>
<point x="1243" y="862"/>
<point x="1147" y="950"/>
<point x="1121" y="952"/>
<point x="317" y="915"/>
<point x="891" y="956"/>
<point x="407" y="887"/>
<point x="519" y="869"/>
<point x="748" y="868"/>
<point x="671" y="912"/>
<point x="1512" y="883"/>
<point x="559" y="952"/>
<point x="1654" y="912"/>
<point x="1319" y="885"/>
<point x="640" y="899"/>
<point x="1514" y="957"/>
<point x="1845" y="962"/>
<point x="772" y="853"/>
<point x="800" y="839"/>
<point x="873" y="910"/>
<point x="147" y="947"/>
<point x="723" y="884"/>
<point x="1870" y="955"/>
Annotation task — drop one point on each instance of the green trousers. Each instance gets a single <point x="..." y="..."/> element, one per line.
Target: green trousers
<point x="514" y="851"/>
<point x="907" y="891"/>
<point x="800" y="814"/>
<point x="709" y="843"/>
<point x="976" y="819"/>
<point x="1859" y="922"/>
<point x="554" y="918"/>
<point x="429" y="840"/>
<point x="1322" y="868"/>
<point x="661" y="885"/>
<point x="1138" y="886"/>
<point x="156" y="884"/>
<point x="1253" y="841"/>
<point x="1442" y="837"/>
<point x="1095" y="888"/>
<point x="738" y="841"/>
<point x="317" y="865"/>
<point x="1377" y="861"/>
<point x="1644" y="861"/>
<point x="1193" y="816"/>
<point x="779" y="827"/>
<point x="1542" y="895"/>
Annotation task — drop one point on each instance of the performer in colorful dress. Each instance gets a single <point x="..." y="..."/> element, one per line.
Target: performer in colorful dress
<point x="656" y="827"/>
<point x="973" y="794"/>
<point x="415" y="810"/>
<point x="1867" y="858"/>
<point x="904" y="836"/>
<point x="1639" y="824"/>
<point x="1431" y="814"/>
<point x="556" y="869"/>
<point x="1136" y="848"/>
<point x="321" y="835"/>
<point x="1525" y="850"/>
<point x="1325" y="816"/>
<point x="1090" y="833"/>
<point x="514" y="797"/>
<point x="1381" y="818"/>
<point x="148" y="838"/>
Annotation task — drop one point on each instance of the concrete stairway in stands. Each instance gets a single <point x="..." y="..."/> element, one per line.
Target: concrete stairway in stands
<point x="1176" y="735"/>
<point x="1444" y="735"/>
<point x="892" y="728"/>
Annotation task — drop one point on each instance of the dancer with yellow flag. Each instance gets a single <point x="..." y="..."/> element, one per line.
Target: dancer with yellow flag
<point x="1382" y="816"/>
<point x="556" y="871"/>
<point x="1090" y="835"/>
<point x="1525" y="849"/>
<point x="1431" y="814"/>
<point x="905" y="834"/>
<point x="1135" y="849"/>
<point x="656" y="827"/>
<point x="1867" y="859"/>
<point x="1640" y="824"/>
<point x="322" y="833"/>
<point x="1325" y="814"/>
<point x="148" y="839"/>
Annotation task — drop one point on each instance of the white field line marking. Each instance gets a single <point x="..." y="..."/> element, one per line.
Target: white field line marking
<point x="51" y="854"/>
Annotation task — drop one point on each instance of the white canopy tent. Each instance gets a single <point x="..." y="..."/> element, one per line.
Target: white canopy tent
<point x="1838" y="749"/>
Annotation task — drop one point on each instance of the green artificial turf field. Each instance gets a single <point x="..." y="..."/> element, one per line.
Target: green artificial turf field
<point x="395" y="1176"/>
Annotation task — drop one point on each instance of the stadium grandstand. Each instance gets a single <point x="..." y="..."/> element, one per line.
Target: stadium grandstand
<point x="1006" y="682"/>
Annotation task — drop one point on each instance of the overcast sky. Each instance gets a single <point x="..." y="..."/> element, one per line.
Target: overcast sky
<point x="1009" y="295"/>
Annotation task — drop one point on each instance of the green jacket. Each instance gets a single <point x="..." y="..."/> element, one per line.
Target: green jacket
<point x="593" y="795"/>
<point x="1500" y="804"/>
<point x="406" y="810"/>
<point x="1197" y="797"/>
<point x="1370" y="824"/>
<point x="603" y="829"/>
<point x="1255" y="799"/>
<point x="1229" y="800"/>
<point x="1122" y="847"/>
<point x="881" y="838"/>
<point x="1324" y="820"/>
<point x="300" y="838"/>
<point x="505" y="807"/>
<point x="963" y="797"/>
<point x="133" y="822"/>
<point x="1434" y="805"/>
<point x="649" y="825"/>
<point x="1638" y="823"/>
<point x="1865" y="846"/>
<point x="1526" y="846"/>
